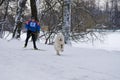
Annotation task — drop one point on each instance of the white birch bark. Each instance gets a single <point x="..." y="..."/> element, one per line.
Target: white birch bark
<point x="67" y="20"/>
<point x="2" y="23"/>
<point x="19" y="13"/>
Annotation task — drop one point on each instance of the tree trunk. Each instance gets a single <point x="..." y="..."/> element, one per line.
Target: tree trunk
<point x="18" y="22"/>
<point x="34" y="12"/>
<point x="67" y="20"/>
<point x="1" y="2"/>
<point x="33" y="9"/>
<point x="4" y="18"/>
<point x="114" y="15"/>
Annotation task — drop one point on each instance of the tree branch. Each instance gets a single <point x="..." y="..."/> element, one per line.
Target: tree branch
<point x="1" y="2"/>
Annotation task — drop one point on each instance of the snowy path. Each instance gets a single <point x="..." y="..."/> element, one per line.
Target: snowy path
<point x="17" y="63"/>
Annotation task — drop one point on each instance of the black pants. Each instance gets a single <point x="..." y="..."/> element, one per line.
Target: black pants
<point x="29" y="34"/>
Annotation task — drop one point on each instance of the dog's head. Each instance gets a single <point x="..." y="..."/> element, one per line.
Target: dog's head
<point x="60" y="36"/>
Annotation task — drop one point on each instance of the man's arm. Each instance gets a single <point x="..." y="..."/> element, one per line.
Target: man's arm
<point x="38" y="27"/>
<point x="27" y="24"/>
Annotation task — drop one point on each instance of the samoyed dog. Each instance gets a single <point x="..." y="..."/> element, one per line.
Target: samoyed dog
<point x="59" y="43"/>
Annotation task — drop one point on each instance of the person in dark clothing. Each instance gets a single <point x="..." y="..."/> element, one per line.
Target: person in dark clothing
<point x="33" y="28"/>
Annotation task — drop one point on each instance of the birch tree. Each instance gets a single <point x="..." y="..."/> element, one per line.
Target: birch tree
<point x="18" y="18"/>
<point x="1" y="2"/>
<point x="4" y="18"/>
<point x="114" y="14"/>
<point x="67" y="20"/>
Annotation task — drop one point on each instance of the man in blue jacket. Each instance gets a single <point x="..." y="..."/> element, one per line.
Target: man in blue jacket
<point x="33" y="28"/>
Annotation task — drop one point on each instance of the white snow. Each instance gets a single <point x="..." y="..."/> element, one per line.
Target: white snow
<point x="80" y="62"/>
<point x="110" y="42"/>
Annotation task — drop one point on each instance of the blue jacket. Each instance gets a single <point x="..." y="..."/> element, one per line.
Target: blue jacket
<point x="32" y="26"/>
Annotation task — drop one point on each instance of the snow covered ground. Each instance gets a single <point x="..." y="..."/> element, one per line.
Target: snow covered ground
<point x="110" y="42"/>
<point x="80" y="62"/>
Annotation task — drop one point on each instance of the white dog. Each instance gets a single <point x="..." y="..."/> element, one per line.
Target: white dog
<point x="59" y="43"/>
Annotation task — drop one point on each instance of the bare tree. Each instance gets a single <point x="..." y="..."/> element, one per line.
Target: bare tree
<point x="18" y="19"/>
<point x="1" y="2"/>
<point x="83" y="18"/>
<point x="114" y="14"/>
<point x="51" y="16"/>
<point x="67" y="20"/>
<point x="4" y="18"/>
<point x="33" y="9"/>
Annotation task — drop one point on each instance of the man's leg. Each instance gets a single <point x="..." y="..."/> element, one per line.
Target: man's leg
<point x="27" y="38"/>
<point x="34" y="40"/>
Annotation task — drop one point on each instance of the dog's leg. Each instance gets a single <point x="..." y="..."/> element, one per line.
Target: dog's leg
<point x="62" y="48"/>
<point x="58" y="53"/>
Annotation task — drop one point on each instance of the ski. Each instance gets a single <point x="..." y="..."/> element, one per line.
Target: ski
<point x="35" y="49"/>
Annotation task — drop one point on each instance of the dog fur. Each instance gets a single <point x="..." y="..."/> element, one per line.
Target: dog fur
<point x="59" y="43"/>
